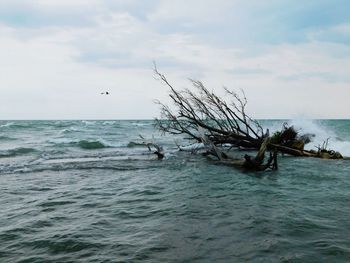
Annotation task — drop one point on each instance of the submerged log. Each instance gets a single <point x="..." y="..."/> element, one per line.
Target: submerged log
<point x="257" y="162"/>
<point x="249" y="162"/>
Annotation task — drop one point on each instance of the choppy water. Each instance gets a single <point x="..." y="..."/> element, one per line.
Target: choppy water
<point x="75" y="191"/>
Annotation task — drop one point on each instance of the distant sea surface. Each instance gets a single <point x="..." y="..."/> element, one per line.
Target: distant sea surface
<point x="81" y="191"/>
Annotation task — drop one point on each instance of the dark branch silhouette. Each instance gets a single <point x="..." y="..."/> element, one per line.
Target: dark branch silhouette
<point x="222" y="124"/>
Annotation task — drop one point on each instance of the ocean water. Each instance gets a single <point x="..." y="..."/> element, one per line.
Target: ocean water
<point x="79" y="191"/>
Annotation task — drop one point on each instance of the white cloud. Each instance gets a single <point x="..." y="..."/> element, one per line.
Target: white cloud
<point x="54" y="71"/>
<point x="195" y="11"/>
<point x="41" y="79"/>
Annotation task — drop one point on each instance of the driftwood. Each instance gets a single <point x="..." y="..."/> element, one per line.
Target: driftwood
<point x="199" y="113"/>
<point x="152" y="147"/>
<point x="224" y="122"/>
<point x="248" y="162"/>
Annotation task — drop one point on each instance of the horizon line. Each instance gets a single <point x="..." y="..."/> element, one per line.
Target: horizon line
<point x="87" y="119"/>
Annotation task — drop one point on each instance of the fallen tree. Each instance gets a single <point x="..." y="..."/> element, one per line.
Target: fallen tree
<point x="222" y="125"/>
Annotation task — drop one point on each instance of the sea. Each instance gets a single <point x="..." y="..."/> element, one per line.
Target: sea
<point x="86" y="191"/>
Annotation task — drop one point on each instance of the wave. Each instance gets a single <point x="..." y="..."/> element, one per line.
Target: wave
<point x="90" y="145"/>
<point x="16" y="152"/>
<point x="62" y="124"/>
<point x="114" y="163"/>
<point x="141" y="124"/>
<point x="322" y="133"/>
<point x="6" y="138"/>
<point x="133" y="144"/>
<point x="87" y="123"/>
<point x="7" y="124"/>
<point x="108" y="122"/>
<point x="16" y="125"/>
<point x="69" y="130"/>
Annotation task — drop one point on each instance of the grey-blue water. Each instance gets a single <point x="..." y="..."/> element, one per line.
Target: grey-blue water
<point x="76" y="191"/>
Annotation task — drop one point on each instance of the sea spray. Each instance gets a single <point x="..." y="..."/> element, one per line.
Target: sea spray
<point x="322" y="133"/>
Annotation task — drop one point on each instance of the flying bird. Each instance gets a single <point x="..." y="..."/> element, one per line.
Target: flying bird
<point x="107" y="93"/>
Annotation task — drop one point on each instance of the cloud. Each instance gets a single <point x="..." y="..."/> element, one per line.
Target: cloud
<point x="42" y="79"/>
<point x="336" y="34"/>
<point x="57" y="56"/>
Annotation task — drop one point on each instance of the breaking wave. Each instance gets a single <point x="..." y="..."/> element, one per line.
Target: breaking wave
<point x="83" y="144"/>
<point x="69" y="130"/>
<point x="90" y="145"/>
<point x="13" y="125"/>
<point x="322" y="130"/>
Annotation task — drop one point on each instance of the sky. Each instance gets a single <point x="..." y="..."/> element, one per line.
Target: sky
<point x="291" y="58"/>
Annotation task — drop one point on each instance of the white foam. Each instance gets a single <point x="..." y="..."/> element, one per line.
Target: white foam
<point x="87" y="123"/>
<point x="7" y="124"/>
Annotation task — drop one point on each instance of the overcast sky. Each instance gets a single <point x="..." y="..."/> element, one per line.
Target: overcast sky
<point x="292" y="58"/>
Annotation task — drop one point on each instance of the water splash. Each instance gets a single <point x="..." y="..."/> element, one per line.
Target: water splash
<point x="322" y="131"/>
